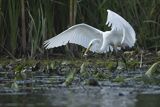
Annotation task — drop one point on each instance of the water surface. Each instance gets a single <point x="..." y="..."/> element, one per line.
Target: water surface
<point x="81" y="97"/>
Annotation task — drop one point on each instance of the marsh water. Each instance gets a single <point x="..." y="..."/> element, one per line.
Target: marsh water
<point x="78" y="97"/>
<point x="41" y="88"/>
<point x="44" y="94"/>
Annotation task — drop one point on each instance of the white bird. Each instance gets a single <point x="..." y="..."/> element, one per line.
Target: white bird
<point x="121" y="34"/>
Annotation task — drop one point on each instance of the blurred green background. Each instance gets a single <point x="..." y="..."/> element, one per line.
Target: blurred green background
<point x="25" y="24"/>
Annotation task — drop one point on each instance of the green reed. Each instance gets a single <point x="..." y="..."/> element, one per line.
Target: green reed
<point x="47" y="18"/>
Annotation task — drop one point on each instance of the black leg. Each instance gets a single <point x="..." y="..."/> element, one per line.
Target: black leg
<point x="115" y="52"/>
<point x="123" y="58"/>
<point x="125" y="62"/>
<point x="117" y="57"/>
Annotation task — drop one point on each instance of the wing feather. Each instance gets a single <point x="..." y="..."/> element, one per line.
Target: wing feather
<point x="121" y="26"/>
<point x="80" y="34"/>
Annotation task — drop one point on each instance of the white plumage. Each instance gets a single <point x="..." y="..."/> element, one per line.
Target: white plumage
<point x="121" y="34"/>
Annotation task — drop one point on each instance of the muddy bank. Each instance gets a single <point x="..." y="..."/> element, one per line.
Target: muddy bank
<point x="76" y="83"/>
<point x="45" y="74"/>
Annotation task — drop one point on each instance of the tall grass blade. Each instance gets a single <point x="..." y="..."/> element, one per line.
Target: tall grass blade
<point x="14" y="12"/>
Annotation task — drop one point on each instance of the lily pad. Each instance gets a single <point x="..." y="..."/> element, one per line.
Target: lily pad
<point x="152" y="69"/>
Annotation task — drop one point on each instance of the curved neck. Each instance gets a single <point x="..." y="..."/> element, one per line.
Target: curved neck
<point x="90" y="45"/>
<point x="105" y="41"/>
<point x="94" y="41"/>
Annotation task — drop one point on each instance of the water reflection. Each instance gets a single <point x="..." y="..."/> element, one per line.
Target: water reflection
<point x="106" y="97"/>
<point x="22" y="100"/>
<point x="80" y="97"/>
<point x="148" y="100"/>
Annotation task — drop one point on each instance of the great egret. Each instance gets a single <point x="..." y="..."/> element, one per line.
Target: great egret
<point x="122" y="34"/>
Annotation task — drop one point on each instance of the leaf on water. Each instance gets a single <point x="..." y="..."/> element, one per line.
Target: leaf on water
<point x="15" y="86"/>
<point x="82" y="68"/>
<point x="70" y="78"/>
<point x="152" y="69"/>
<point x="19" y="68"/>
<point x="52" y="65"/>
<point x="102" y="75"/>
<point x="119" y="79"/>
<point x="121" y="66"/>
<point x="23" y="74"/>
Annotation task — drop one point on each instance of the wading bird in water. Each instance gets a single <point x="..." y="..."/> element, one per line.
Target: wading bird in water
<point x="121" y="35"/>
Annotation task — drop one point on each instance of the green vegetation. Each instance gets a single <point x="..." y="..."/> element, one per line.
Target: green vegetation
<point x="75" y="72"/>
<point x="153" y="69"/>
<point x="25" y="24"/>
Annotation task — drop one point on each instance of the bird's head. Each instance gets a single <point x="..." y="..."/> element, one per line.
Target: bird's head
<point x="93" y="43"/>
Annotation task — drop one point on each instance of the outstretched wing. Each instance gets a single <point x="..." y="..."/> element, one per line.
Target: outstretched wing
<point x="80" y="34"/>
<point x="121" y="26"/>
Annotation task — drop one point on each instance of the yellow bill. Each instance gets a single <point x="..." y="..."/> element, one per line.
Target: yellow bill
<point x="85" y="53"/>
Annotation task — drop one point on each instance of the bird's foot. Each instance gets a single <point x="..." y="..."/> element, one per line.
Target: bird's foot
<point x="84" y="55"/>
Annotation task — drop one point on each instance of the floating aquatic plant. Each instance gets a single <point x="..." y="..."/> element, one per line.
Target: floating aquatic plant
<point x="153" y="69"/>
